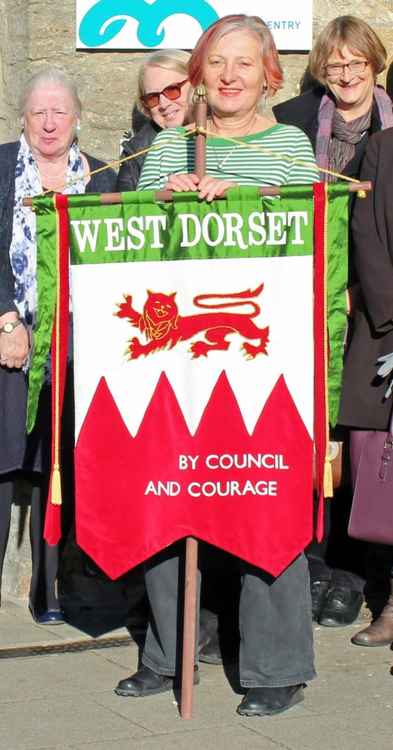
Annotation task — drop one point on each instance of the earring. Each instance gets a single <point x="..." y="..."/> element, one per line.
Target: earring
<point x="262" y="102"/>
<point x="78" y="126"/>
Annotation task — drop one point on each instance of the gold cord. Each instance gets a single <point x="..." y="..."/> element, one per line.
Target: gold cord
<point x="200" y="130"/>
<point x="117" y="162"/>
<point x="278" y="155"/>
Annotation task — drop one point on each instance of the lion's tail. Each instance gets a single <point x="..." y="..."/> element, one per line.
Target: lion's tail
<point x="243" y="297"/>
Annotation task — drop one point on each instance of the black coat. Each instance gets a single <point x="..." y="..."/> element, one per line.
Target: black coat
<point x="104" y="182"/>
<point x="303" y="111"/>
<point x="362" y="403"/>
<point x="130" y="171"/>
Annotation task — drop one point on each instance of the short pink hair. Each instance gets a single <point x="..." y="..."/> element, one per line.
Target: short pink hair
<point x="226" y="25"/>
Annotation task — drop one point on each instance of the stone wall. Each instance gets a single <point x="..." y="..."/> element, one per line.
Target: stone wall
<point x="14" y="44"/>
<point x="35" y="33"/>
<point x="39" y="32"/>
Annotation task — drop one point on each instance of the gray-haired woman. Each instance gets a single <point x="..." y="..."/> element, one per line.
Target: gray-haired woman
<point x="46" y="157"/>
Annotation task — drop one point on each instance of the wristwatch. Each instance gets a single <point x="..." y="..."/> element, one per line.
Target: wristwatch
<point x="10" y="326"/>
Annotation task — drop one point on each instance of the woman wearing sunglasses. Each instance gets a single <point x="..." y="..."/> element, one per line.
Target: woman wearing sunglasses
<point x="164" y="96"/>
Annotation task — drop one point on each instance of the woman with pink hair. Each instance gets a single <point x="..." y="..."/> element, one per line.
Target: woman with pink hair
<point x="237" y="61"/>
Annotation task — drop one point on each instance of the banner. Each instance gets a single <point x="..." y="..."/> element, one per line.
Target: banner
<point x="153" y="24"/>
<point x="194" y="328"/>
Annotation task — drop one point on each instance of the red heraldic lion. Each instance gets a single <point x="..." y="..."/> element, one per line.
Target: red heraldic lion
<point x="163" y="326"/>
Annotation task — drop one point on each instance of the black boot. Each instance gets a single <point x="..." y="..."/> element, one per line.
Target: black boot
<point x="263" y="701"/>
<point x="147" y="682"/>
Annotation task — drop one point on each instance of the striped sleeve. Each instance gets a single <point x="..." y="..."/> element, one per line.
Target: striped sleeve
<point x="303" y="170"/>
<point x="168" y="156"/>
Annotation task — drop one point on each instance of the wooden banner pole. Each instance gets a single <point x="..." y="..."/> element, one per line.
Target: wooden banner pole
<point x="191" y="569"/>
<point x="189" y="628"/>
<point x="167" y="195"/>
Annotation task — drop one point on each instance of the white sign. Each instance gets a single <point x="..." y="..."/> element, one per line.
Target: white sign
<point x="151" y="24"/>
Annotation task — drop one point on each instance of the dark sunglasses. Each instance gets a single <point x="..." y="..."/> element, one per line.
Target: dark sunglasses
<point x="172" y="92"/>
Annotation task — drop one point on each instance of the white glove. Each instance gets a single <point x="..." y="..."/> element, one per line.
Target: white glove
<point x="385" y="369"/>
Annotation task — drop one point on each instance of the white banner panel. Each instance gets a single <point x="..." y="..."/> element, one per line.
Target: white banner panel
<point x="151" y="24"/>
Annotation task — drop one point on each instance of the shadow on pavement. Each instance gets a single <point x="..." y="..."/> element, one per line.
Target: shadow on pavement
<point x="95" y="604"/>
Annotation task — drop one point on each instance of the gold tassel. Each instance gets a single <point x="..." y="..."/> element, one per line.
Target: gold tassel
<point x="56" y="498"/>
<point x="328" y="479"/>
<point x="55" y="492"/>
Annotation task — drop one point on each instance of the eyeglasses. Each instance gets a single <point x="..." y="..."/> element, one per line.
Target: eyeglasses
<point x="172" y="92"/>
<point x="335" y="70"/>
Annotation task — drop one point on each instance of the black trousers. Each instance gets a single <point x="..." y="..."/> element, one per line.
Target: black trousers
<point x="45" y="558"/>
<point x="276" y="641"/>
<point x="338" y="558"/>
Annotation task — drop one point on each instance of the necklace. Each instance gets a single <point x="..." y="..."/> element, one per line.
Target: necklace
<point x="220" y="163"/>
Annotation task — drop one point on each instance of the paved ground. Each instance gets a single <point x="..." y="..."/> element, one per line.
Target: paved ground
<point x="65" y="701"/>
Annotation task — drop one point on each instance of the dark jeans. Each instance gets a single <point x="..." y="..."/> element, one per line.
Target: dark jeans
<point x="276" y="647"/>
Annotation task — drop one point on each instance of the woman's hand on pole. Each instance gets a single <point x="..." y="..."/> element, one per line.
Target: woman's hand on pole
<point x="182" y="183"/>
<point x="210" y="187"/>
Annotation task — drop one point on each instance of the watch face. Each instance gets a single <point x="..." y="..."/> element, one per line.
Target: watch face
<point x="9" y="327"/>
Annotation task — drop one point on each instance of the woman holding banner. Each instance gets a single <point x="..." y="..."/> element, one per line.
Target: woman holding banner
<point x="46" y="157"/>
<point x="164" y="101"/>
<point x="237" y="61"/>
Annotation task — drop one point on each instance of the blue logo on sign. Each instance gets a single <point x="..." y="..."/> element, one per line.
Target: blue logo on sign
<point x="106" y="19"/>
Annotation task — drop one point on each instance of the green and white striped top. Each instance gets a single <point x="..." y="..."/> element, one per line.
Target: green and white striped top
<point x="259" y="162"/>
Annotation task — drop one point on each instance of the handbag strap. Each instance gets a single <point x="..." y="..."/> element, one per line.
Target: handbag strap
<point x="387" y="452"/>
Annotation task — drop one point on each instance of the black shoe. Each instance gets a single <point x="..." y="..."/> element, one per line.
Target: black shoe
<point x="48" y="617"/>
<point x="342" y="607"/>
<point x="210" y="652"/>
<point x="319" y="592"/>
<point x="146" y="682"/>
<point x="269" y="701"/>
